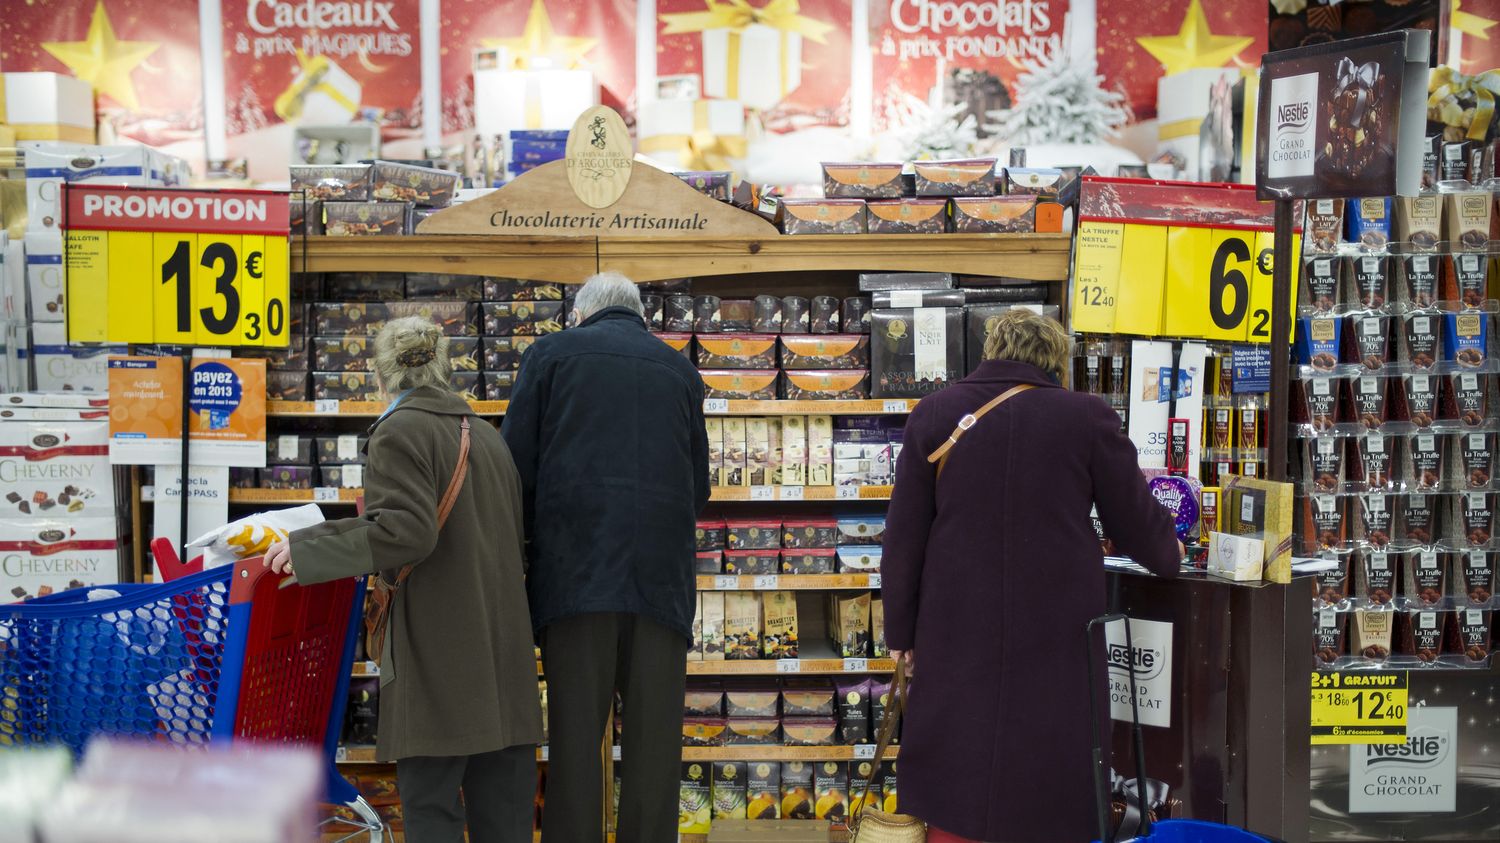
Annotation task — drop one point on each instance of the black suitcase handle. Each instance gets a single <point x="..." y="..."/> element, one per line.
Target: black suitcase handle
<point x="1101" y="775"/>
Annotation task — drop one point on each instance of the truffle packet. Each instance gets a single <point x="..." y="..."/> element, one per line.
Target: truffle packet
<point x="1421" y="634"/>
<point x="1324" y="463"/>
<point x="1326" y="518"/>
<point x="1371" y="339"/>
<point x="1420" y="392"/>
<point x="1421" y="335"/>
<point x="1476" y="459"/>
<point x="1477" y="517"/>
<point x="1474" y="635"/>
<point x="1318" y="342"/>
<point x="1470" y="398"/>
<point x="1328" y="635"/>
<point x="1369" y="280"/>
<point x="1419" y="279"/>
<point x="1377" y="513"/>
<point x="1466" y="339"/>
<point x="1426" y="453"/>
<point x="1320" y="283"/>
<point x="1322" y="393"/>
<point x="1370" y="221"/>
<point x="1377" y="581"/>
<point x="1325" y="224"/>
<point x="1369" y="400"/>
<point x="1372" y="454"/>
<point x="1372" y="633"/>
<point x="1334" y="584"/>
<point x="1419" y="220"/>
<point x="1476" y="577"/>
<point x="1419" y="518"/>
<point x="1426" y="577"/>
<point x="1469" y="281"/>
<point x="1468" y="219"/>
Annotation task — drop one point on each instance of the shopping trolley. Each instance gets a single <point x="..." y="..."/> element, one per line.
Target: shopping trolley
<point x="1137" y="824"/>
<point x="234" y="653"/>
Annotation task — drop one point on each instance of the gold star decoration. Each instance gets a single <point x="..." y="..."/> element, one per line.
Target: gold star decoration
<point x="1193" y="45"/>
<point x="539" y="48"/>
<point x="103" y="61"/>
<point x="1469" y="23"/>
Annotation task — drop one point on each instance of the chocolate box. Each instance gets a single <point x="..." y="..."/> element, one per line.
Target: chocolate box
<point x="361" y="219"/>
<point x="753" y="534"/>
<point x="991" y="214"/>
<point x="864" y="180"/>
<point x="809" y="561"/>
<point x="521" y="318"/>
<point x="752" y="698"/>
<point x="504" y="353"/>
<point x="907" y="216"/>
<point x="823" y="216"/>
<point x="497" y="385"/>
<point x="708" y="562"/>
<point x="348" y="449"/>
<point x="747" y="384"/>
<point x="870" y="282"/>
<point x="899" y="366"/>
<point x="457" y="319"/>
<point x="518" y="289"/>
<point x="737" y="351"/>
<point x="807" y="698"/>
<point x="972" y="177"/>
<point x="431" y="285"/>
<point x="1041" y="182"/>
<point x="714" y="185"/>
<point x="342" y="476"/>
<point x="778" y="623"/>
<point x="710" y="534"/>
<point x="50" y="554"/>
<point x="58" y="470"/>
<point x="365" y="286"/>
<point x="825" y="384"/>
<point x="825" y="351"/>
<point x="287" y="477"/>
<point x="350" y="182"/>
<point x="809" y="533"/>
<point x="305" y="217"/>
<point x="289" y="449"/>
<point x="341" y="353"/>
<point x="287" y="385"/>
<point x="345" y="386"/>
<point x="861" y="529"/>
<point x="424" y="187"/>
<point x="810" y="731"/>
<point x="679" y="342"/>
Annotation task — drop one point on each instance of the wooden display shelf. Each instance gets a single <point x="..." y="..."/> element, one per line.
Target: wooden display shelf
<point x="565" y="259"/>
<point x="358" y="409"/>
<point x="1036" y="257"/>
<point x="727" y="494"/>
<point x="872" y="407"/>
<point x="360" y="755"/>
<point x="774" y="667"/>
<point x="292" y="496"/>
<point x="787" y="582"/>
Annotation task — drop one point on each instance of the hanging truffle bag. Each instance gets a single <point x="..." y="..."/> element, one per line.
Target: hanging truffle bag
<point x="872" y="825"/>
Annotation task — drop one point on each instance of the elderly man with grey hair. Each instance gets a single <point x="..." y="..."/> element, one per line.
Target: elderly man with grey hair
<point x="606" y="428"/>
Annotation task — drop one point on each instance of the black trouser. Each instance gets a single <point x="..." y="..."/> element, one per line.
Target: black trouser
<point x="497" y="788"/>
<point x="586" y="658"/>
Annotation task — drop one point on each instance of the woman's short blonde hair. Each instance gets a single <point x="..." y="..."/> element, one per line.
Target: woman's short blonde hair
<point x="1027" y="337"/>
<point x="411" y="352"/>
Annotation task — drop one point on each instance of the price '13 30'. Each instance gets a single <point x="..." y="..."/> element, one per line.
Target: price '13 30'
<point x="177" y="288"/>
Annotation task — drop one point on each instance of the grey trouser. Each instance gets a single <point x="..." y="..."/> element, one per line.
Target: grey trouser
<point x="497" y="791"/>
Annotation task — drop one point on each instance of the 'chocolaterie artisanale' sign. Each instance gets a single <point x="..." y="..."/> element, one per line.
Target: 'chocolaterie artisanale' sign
<point x="1343" y="119"/>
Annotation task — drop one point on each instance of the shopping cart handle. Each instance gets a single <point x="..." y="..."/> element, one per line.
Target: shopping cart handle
<point x="172" y="567"/>
<point x="247" y="575"/>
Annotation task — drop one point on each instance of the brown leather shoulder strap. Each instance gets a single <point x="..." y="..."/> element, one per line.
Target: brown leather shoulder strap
<point x="888" y="722"/>
<point x="940" y="456"/>
<point x="460" y="471"/>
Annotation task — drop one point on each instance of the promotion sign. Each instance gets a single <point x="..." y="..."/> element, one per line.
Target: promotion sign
<point x="1343" y="119"/>
<point x="1368" y="707"/>
<point x="1151" y="653"/>
<point x="226" y="411"/>
<point x="1174" y="259"/>
<point x="176" y="267"/>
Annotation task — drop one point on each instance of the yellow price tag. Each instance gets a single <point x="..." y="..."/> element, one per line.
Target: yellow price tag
<point x="1262" y="285"/>
<point x="1362" y="707"/>
<point x="1096" y="276"/>
<point x="178" y="267"/>
<point x="1143" y="267"/>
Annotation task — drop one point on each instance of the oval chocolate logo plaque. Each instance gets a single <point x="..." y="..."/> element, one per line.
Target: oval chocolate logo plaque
<point x="599" y="157"/>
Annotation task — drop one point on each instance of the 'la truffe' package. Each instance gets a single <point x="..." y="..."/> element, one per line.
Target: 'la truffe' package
<point x="42" y="555"/>
<point x="56" y="470"/>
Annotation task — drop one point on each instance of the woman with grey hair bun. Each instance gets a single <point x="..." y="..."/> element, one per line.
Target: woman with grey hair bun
<point x="441" y="531"/>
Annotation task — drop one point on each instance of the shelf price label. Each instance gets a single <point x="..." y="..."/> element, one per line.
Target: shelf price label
<point x="791" y="493"/>
<point x="726" y="583"/>
<point x="762" y="493"/>
<point x="326" y="494"/>
<point x="180" y="267"/>
<point x="767" y="582"/>
<point x="1368" y="707"/>
<point x="874" y="581"/>
<point x="864" y="752"/>
<point x="897" y="405"/>
<point x="848" y="493"/>
<point x="788" y="666"/>
<point x="715" y="406"/>
<point x="856" y="665"/>
<point x="326" y="407"/>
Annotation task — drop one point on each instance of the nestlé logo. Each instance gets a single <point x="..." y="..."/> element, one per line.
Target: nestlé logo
<point x="1426" y="748"/>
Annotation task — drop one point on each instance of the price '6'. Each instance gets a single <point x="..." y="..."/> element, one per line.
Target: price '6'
<point x="1229" y="288"/>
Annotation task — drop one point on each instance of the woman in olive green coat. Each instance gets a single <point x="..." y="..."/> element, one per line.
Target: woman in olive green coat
<point x="459" y="708"/>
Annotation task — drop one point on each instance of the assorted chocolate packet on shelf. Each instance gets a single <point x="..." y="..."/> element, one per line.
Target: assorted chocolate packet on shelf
<point x="1427" y="576"/>
<point x="1373" y="630"/>
<point x="1421" y="335"/>
<point x="1419" y="276"/>
<point x="1477" y="517"/>
<point x="1373" y="459"/>
<point x="1477" y="455"/>
<point x="1321" y="283"/>
<point x="1419" y="518"/>
<point x="1420" y="392"/>
<point x="1369" y="279"/>
<point x="1468" y="216"/>
<point x="1325" y="456"/>
<point x="1419" y="221"/>
<point x="1421" y="634"/>
<point x="1378" y="575"/>
<point x="1476" y="577"/>
<point x="1369" y="394"/>
<point x="1318" y="342"/>
<point x="1377" y="513"/>
<point x="1426" y="451"/>
<point x="1328" y="635"/>
<point x="1470" y="284"/>
<point x="1370" y="221"/>
<point x="1466" y="339"/>
<point x="1371" y="339"/>
<point x="1470" y="397"/>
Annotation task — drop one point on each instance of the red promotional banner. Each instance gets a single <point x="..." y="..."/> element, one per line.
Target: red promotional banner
<point x="1196" y="33"/>
<point x="141" y="56"/>
<point x="561" y="34"/>
<point x="105" y="208"/>
<point x="321" y="63"/>
<point x="965" y="50"/>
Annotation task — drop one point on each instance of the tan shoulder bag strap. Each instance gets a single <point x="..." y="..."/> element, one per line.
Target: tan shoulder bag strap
<point x="384" y="593"/>
<point x="940" y="456"/>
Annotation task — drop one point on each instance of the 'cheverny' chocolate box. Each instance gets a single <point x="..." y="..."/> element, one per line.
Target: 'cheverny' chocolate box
<point x="39" y="556"/>
<point x="57" y="470"/>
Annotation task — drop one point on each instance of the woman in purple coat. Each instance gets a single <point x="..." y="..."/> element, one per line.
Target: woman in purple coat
<point x="991" y="572"/>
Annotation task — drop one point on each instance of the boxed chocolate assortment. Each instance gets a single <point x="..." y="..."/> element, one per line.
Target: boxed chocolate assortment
<point x="837" y="351"/>
<point x="425" y="187"/>
<point x="737" y="351"/>
<point x="521" y="318"/>
<point x="972" y="177"/>
<point x="825" y="385"/>
<point x="364" y="286"/>
<point x="362" y="219"/>
<point x="907" y="216"/>
<point x="994" y="214"/>
<point x="823" y="216"/>
<point x="915" y="351"/>
<point x="340" y="182"/>
<point x="345" y="386"/>
<point x="457" y="319"/>
<point x="714" y="185"/>
<point x="861" y="181"/>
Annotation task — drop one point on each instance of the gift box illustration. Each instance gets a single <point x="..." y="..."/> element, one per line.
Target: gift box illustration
<point x="700" y="135"/>
<point x="752" y="54"/>
<point x="323" y="93"/>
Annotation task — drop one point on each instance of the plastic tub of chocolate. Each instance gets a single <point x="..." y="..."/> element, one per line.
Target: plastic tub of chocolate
<point x="677" y="313"/>
<point x="1320" y="284"/>
<point x="1420" y="518"/>
<point x="1421" y="338"/>
<point x="1476" y="577"/>
<point x="1328" y="635"/>
<point x="1377" y="517"/>
<point x="1426" y="577"/>
<point x="825" y="315"/>
<point x="1426" y="461"/>
<point x="767" y="317"/>
<point x="1419" y="390"/>
<point x="1468" y="398"/>
<point x="1368" y="394"/>
<point x="1421" y="634"/>
<point x="1372" y="459"/>
<point x="1473" y="636"/>
<point x="1419" y="279"/>
<point x="1369" y="280"/>
<point x="706" y="316"/>
<point x="1370" y="339"/>
<point x="1373" y="633"/>
<point x="796" y="313"/>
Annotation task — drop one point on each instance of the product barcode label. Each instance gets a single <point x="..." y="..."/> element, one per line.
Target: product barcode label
<point x="1428" y="559"/>
<point x="726" y="583"/>
<point x="715" y="405"/>
<point x="325" y="494"/>
<point x="896" y="406"/>
<point x="856" y="665"/>
<point x="1427" y="620"/>
<point x="792" y="493"/>
<point x="326" y="407"/>
<point x="1375" y="443"/>
<point x="767" y="582"/>
<point x="1379" y="562"/>
<point x="762" y="493"/>
<point x="788" y="666"/>
<point x="1327" y="618"/>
